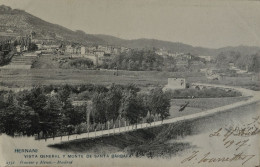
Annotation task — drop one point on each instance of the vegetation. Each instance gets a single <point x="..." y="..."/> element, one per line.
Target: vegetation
<point x="245" y="62"/>
<point x="136" y="60"/>
<point x="49" y="111"/>
<point x="203" y="93"/>
<point x="81" y="63"/>
<point x="5" y="58"/>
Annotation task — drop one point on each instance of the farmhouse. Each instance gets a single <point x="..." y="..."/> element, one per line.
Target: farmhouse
<point x="207" y="58"/>
<point x="175" y="83"/>
<point x="18" y="48"/>
<point x="82" y="50"/>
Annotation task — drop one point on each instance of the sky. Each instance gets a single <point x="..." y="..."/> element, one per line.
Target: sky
<point x="206" y="23"/>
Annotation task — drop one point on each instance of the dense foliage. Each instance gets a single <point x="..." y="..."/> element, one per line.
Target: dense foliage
<point x="48" y="110"/>
<point x="203" y="93"/>
<point x="244" y="62"/>
<point x="136" y="60"/>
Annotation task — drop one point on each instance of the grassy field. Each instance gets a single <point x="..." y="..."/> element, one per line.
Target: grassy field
<point x="143" y="79"/>
<point x="104" y="77"/>
<point x="200" y="104"/>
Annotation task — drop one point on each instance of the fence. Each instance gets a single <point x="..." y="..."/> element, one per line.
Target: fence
<point x="127" y="128"/>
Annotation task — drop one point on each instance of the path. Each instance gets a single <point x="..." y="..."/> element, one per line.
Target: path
<point x="254" y="99"/>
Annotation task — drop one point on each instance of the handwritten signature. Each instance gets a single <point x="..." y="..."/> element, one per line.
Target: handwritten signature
<point x="229" y="139"/>
<point x="206" y="158"/>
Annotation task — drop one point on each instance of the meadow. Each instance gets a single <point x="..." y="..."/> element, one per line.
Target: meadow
<point x="200" y="104"/>
<point x="26" y="78"/>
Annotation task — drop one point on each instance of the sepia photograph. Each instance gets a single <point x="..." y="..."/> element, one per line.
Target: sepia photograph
<point x="129" y="83"/>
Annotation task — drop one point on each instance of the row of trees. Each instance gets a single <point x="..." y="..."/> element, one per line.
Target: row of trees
<point x="128" y="104"/>
<point x="32" y="112"/>
<point x="136" y="60"/>
<point x="245" y="62"/>
<point x="148" y="60"/>
<point x="39" y="111"/>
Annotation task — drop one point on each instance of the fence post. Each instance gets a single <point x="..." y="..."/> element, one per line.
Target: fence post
<point x="114" y="128"/>
<point x="108" y="127"/>
<point x="119" y="125"/>
<point x="95" y="132"/>
<point x="125" y="125"/>
<point x="102" y="129"/>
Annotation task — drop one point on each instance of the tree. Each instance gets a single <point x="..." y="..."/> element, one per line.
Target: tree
<point x="64" y="94"/>
<point x="16" y="119"/>
<point x="113" y="99"/>
<point x="221" y="60"/>
<point x="29" y="121"/>
<point x="32" y="47"/>
<point x="99" y="108"/>
<point x="255" y="66"/>
<point x="159" y="103"/>
<point x="134" y="109"/>
<point x="8" y="120"/>
<point x="36" y="99"/>
<point x="79" y="115"/>
<point x="51" y="119"/>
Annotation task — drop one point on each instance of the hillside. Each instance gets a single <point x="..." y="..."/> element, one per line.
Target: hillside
<point x="176" y="46"/>
<point x="23" y="23"/>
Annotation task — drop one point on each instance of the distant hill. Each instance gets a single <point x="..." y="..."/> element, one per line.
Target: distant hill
<point x="23" y="23"/>
<point x="176" y="46"/>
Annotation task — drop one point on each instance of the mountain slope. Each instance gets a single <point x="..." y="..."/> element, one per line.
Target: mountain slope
<point x="24" y="23"/>
<point x="176" y="46"/>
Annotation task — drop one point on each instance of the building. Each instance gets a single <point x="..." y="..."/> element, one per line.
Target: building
<point x="99" y="53"/>
<point x="91" y="49"/>
<point x="162" y="52"/>
<point x="207" y="58"/>
<point x="175" y="83"/>
<point x="82" y="50"/>
<point x="69" y="49"/>
<point x="115" y="51"/>
<point x="9" y="31"/>
<point x="18" y="48"/>
<point x="213" y="74"/>
<point x="39" y="46"/>
<point x="106" y="49"/>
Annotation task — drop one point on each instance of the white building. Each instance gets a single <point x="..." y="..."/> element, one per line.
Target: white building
<point x="175" y="83"/>
<point x="99" y="53"/>
<point x="207" y="58"/>
<point x="69" y="49"/>
<point x="18" y="49"/>
<point x="82" y="50"/>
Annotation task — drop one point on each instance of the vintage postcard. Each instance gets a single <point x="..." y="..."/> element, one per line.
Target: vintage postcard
<point x="129" y="83"/>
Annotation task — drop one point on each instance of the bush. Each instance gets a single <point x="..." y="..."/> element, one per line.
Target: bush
<point x="81" y="128"/>
<point x="204" y="93"/>
<point x="81" y="63"/>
